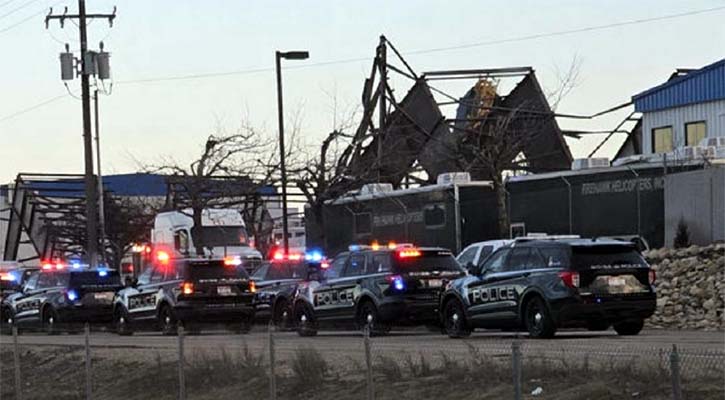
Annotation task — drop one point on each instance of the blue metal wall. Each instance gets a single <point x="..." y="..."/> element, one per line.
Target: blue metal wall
<point x="705" y="84"/>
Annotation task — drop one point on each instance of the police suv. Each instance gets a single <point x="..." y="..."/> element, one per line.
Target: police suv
<point x="543" y="285"/>
<point x="276" y="282"/>
<point x="375" y="287"/>
<point x="59" y="296"/>
<point x="189" y="292"/>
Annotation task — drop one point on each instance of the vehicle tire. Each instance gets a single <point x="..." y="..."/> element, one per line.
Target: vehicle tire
<point x="167" y="321"/>
<point x="538" y="320"/>
<point x="50" y="321"/>
<point x="598" y="325"/>
<point x="629" y="327"/>
<point x="121" y="322"/>
<point x="369" y="318"/>
<point x="282" y="315"/>
<point x="305" y="319"/>
<point x="454" y="320"/>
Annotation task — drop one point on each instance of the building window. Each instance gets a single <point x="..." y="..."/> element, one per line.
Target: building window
<point x="695" y="132"/>
<point x="662" y="139"/>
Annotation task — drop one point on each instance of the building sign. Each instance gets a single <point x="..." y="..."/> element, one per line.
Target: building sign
<point x="624" y="185"/>
<point x="397" y="219"/>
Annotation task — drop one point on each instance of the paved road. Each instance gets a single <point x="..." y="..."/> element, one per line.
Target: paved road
<point x="401" y="341"/>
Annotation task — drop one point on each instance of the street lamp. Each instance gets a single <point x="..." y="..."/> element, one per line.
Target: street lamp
<point x="290" y="55"/>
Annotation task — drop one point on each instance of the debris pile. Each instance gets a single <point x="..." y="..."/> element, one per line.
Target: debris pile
<point x="690" y="287"/>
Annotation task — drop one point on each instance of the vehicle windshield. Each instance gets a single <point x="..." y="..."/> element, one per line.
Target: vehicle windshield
<point x="428" y="260"/>
<point x="604" y="257"/>
<point x="220" y="236"/>
<point x="211" y="270"/>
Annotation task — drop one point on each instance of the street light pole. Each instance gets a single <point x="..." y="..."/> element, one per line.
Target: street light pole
<point x="290" y="55"/>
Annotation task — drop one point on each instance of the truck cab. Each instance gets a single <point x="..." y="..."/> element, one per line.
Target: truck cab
<point x="223" y="234"/>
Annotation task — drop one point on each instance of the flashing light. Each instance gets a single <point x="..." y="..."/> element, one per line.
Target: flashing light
<point x="232" y="261"/>
<point x="102" y="272"/>
<point x="314" y="256"/>
<point x="375" y="246"/>
<point x="409" y="253"/>
<point x="72" y="295"/>
<point x="47" y="266"/>
<point x="163" y="257"/>
<point x="325" y="265"/>
<point x="75" y="264"/>
<point x="652" y="277"/>
<point x="295" y="257"/>
<point x="398" y="282"/>
<point x="252" y="287"/>
<point x="570" y="279"/>
<point x="187" y="288"/>
<point x="392" y="245"/>
<point x="147" y="249"/>
<point x="278" y="255"/>
<point x="354" y="247"/>
<point x="8" y="277"/>
<point x="59" y="266"/>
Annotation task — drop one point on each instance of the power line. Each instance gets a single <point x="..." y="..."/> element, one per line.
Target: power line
<point x="28" y="18"/>
<point x="6" y="3"/>
<point x="431" y="50"/>
<point x="31" y="108"/>
<point x="18" y="8"/>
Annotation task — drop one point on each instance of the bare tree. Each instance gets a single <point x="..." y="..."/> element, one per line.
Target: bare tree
<point x="229" y="171"/>
<point x="128" y="221"/>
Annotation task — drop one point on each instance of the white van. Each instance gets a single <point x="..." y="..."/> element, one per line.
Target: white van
<point x="223" y="233"/>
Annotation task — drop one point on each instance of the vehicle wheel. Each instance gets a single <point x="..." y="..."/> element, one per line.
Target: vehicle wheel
<point x="282" y="315"/>
<point x="369" y="318"/>
<point x="50" y="321"/>
<point x="629" y="327"/>
<point x="121" y="322"/>
<point x="598" y="326"/>
<point x="305" y="319"/>
<point x="454" y="320"/>
<point x="538" y="320"/>
<point x="167" y="321"/>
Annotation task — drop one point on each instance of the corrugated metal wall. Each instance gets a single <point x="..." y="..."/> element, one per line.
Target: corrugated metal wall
<point x="697" y="197"/>
<point x="712" y="112"/>
<point x="706" y="84"/>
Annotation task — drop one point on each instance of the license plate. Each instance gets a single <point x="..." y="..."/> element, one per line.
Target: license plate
<point x="224" y="290"/>
<point x="616" y="281"/>
<point x="435" y="283"/>
<point x="104" y="297"/>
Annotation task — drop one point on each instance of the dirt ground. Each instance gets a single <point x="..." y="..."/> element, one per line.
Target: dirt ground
<point x="57" y="372"/>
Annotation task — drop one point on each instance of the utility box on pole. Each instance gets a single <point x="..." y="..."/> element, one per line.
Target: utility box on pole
<point x="67" y="69"/>
<point x="103" y="66"/>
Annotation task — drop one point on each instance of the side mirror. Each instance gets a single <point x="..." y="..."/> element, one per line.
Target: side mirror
<point x="130" y="282"/>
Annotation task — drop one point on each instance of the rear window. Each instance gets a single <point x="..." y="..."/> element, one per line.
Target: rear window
<point x="428" y="260"/>
<point x="285" y="270"/>
<point x="211" y="270"/>
<point x="93" y="278"/>
<point x="606" y="257"/>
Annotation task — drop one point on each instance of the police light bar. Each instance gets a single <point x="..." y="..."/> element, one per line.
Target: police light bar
<point x="8" y="277"/>
<point x="232" y="261"/>
<point x="162" y="256"/>
<point x="409" y="253"/>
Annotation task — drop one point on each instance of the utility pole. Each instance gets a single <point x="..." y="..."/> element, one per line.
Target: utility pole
<point x="101" y="212"/>
<point x="86" y="63"/>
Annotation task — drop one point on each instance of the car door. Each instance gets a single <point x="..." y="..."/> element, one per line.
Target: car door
<point x="142" y="302"/>
<point x="335" y="298"/>
<point x="478" y="292"/>
<point x="27" y="305"/>
<point x="468" y="257"/>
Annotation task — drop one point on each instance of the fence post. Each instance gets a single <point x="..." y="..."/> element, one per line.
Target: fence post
<point x="16" y="361"/>
<point x="182" y="377"/>
<point x="675" y="369"/>
<point x="368" y="363"/>
<point x="272" y="376"/>
<point x="89" y="387"/>
<point x="516" y="367"/>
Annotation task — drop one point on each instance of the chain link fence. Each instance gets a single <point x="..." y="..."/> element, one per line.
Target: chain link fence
<point x="268" y="364"/>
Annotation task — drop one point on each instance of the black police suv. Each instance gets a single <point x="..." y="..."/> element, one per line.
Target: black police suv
<point x="190" y="292"/>
<point x="376" y="287"/>
<point x="60" y="297"/>
<point x="543" y="285"/>
<point x="276" y="282"/>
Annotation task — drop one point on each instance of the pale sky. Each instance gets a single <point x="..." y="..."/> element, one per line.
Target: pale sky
<point x="164" y="38"/>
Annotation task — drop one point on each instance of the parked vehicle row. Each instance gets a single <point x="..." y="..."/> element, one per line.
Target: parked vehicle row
<point x="538" y="285"/>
